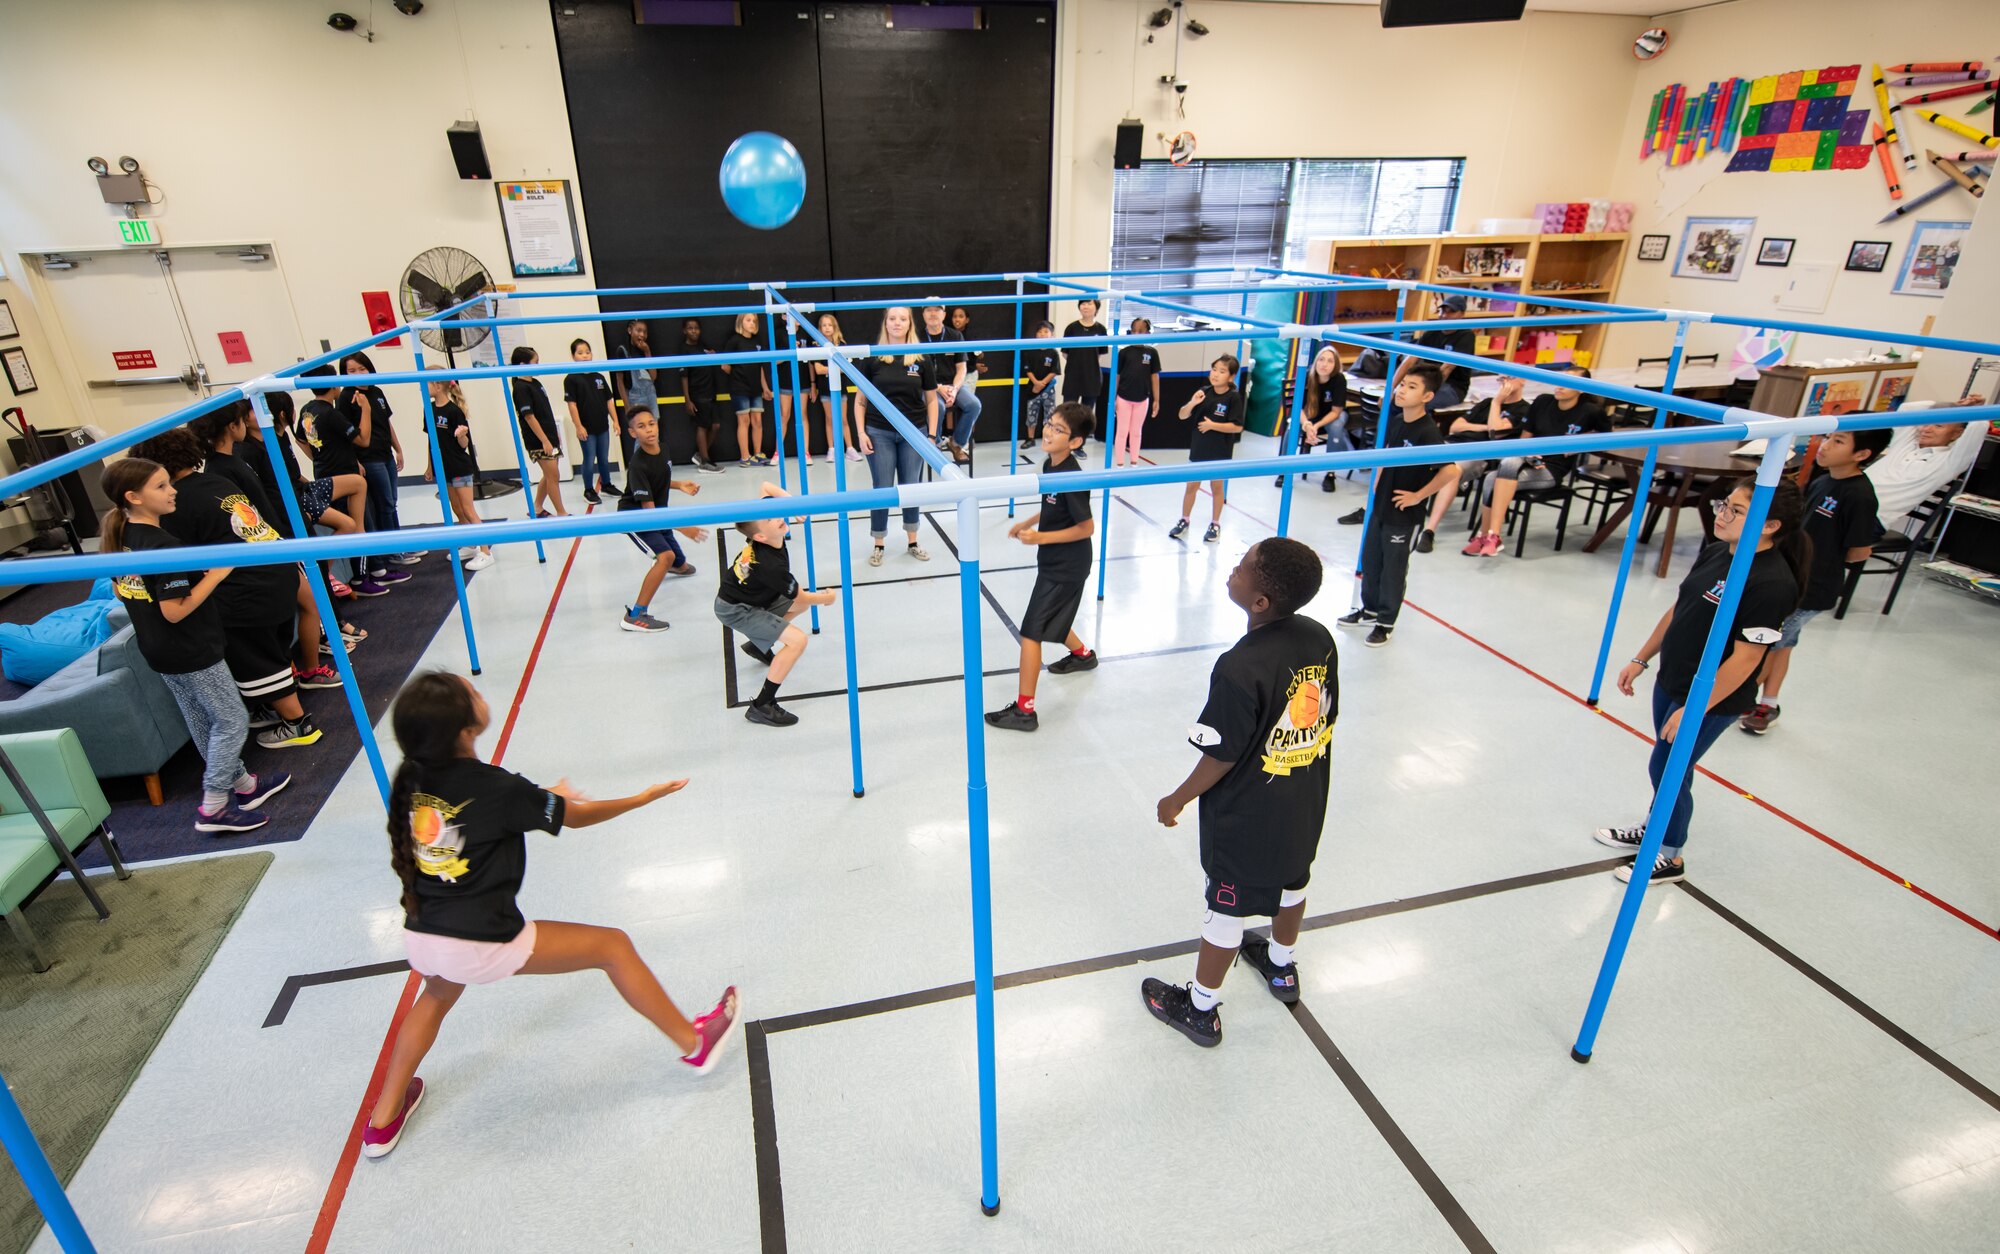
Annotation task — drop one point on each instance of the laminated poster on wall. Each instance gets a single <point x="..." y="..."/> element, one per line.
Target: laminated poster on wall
<point x="540" y="221"/>
<point x="1931" y="258"/>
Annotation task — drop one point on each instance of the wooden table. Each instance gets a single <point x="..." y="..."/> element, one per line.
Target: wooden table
<point x="1693" y="475"/>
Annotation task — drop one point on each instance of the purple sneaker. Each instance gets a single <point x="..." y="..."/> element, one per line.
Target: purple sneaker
<point x="389" y="577"/>
<point x="368" y="588"/>
<point x="714" y="1030"/>
<point x="263" y="787"/>
<point x="230" y="818"/>
<point x="376" y="1142"/>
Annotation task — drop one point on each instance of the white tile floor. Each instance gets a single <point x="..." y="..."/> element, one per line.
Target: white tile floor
<point x="1733" y="1105"/>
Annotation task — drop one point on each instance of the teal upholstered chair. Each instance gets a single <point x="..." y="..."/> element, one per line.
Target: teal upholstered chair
<point x="50" y="807"/>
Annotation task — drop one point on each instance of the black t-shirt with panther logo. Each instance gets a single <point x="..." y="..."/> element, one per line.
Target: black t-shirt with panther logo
<point x="467" y="822"/>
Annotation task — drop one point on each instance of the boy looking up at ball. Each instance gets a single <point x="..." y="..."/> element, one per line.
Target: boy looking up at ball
<point x="1262" y="784"/>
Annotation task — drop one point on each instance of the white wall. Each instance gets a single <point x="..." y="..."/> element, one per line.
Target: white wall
<point x="1534" y="106"/>
<point x="1825" y="210"/>
<point x="259" y="122"/>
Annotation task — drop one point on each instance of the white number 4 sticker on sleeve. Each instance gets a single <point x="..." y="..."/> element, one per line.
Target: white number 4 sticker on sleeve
<point x="1202" y="736"/>
<point x="1762" y="635"/>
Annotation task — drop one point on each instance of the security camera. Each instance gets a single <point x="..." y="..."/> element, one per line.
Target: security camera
<point x="409" y="8"/>
<point x="1160" y="18"/>
<point x="1196" y="29"/>
<point x="342" y="22"/>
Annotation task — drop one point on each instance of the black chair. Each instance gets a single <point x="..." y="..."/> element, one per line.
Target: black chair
<point x="1600" y="485"/>
<point x="1559" y="495"/>
<point x="1898" y="550"/>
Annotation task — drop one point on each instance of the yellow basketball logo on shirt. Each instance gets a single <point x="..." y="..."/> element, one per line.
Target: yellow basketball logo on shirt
<point x="131" y="588"/>
<point x="245" y="521"/>
<point x="1300" y="735"/>
<point x="744" y="561"/>
<point x="310" y="430"/>
<point x="439" y="845"/>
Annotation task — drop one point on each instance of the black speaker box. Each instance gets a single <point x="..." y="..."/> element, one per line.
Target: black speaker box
<point x="468" y="150"/>
<point x="1131" y="138"/>
<point x="1449" y="12"/>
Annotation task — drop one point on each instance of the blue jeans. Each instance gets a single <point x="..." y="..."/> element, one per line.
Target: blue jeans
<point x="381" y="512"/>
<point x="965" y="410"/>
<point x="1712" y="726"/>
<point x="895" y="460"/>
<point x="597" y="453"/>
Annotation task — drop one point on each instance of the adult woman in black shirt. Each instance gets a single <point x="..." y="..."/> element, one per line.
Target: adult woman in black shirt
<point x="540" y="435"/>
<point x="910" y="383"/>
<point x="1771" y="591"/>
<point x="460" y="463"/>
<point x="1083" y="368"/>
<point x="749" y="390"/>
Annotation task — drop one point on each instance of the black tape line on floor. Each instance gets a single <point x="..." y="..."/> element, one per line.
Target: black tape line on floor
<point x="282" y="1007"/>
<point x="764" y="1132"/>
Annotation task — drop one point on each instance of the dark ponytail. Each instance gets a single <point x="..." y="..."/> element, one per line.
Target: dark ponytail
<point x="127" y="474"/>
<point x="431" y="713"/>
<point x="1788" y="510"/>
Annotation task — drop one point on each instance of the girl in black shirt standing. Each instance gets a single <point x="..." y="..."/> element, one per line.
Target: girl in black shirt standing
<point x="910" y="383"/>
<point x="456" y="841"/>
<point x="1138" y="394"/>
<point x="540" y="435"/>
<point x="829" y="395"/>
<point x="1771" y="592"/>
<point x="749" y="390"/>
<point x="381" y="458"/>
<point x="1083" y="368"/>
<point x="460" y="468"/>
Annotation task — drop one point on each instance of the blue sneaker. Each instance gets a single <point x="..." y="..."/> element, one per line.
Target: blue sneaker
<point x="263" y="787"/>
<point x="230" y="818"/>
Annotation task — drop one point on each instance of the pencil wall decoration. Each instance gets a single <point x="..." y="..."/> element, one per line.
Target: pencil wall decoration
<point x="1687" y="126"/>
<point x="1801" y="120"/>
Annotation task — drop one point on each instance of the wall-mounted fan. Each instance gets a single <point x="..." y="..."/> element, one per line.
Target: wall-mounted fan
<point x="438" y="279"/>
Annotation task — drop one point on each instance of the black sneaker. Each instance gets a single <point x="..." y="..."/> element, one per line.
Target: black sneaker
<point x="1282" y="981"/>
<point x="1179" y="530"/>
<point x="1354" y="518"/>
<point x="1426" y="540"/>
<point x="1013" y="718"/>
<point x="1665" y="871"/>
<point x="770" y="714"/>
<point x="762" y="655"/>
<point x="706" y="466"/>
<point x="1173" y="1005"/>
<point x="1327" y="484"/>
<point x="1359" y="618"/>
<point x="1213" y="533"/>
<point x="1380" y="636"/>
<point x="1626" y="838"/>
<point x="1070" y="663"/>
<point x="590" y="494"/>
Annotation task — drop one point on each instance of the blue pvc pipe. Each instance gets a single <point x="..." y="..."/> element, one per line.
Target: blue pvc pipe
<point x="329" y="623"/>
<point x="778" y="437"/>
<point x="1861" y="333"/>
<point x="1291" y="444"/>
<point x="1519" y="298"/>
<point x="1681" y="759"/>
<point x="289" y="374"/>
<point x="1112" y="312"/>
<point x="1014" y="402"/>
<point x="444" y="505"/>
<point x="520" y="450"/>
<point x="39" y="1177"/>
<point x="837" y="429"/>
<point x="1460" y="324"/>
<point x="677" y="289"/>
<point x="979" y="852"/>
<point x="800" y="425"/>
<point x="1389" y="356"/>
<point x="76" y="459"/>
<point x="1642" y="491"/>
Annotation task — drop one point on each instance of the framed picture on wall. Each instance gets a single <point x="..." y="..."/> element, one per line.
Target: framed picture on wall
<point x="1775" y="252"/>
<point x="1714" y="248"/>
<point x="1653" y="247"/>
<point x="7" y="328"/>
<point x="1831" y="394"/>
<point x="1869" y="255"/>
<point x="540" y="221"/>
<point x="1933" y="256"/>
<point x="19" y="377"/>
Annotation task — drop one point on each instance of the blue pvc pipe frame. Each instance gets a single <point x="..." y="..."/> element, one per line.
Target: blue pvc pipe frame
<point x="444" y="506"/>
<point x="952" y="486"/>
<point x="39" y="1177"/>
<point x="528" y="488"/>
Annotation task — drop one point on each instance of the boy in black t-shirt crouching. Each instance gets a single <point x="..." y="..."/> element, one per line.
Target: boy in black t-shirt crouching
<point x="1061" y="533"/>
<point x="1262" y="782"/>
<point x="1401" y="495"/>
<point x="759" y="599"/>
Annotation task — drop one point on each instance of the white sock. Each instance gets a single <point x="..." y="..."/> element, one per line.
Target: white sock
<point x="1204" y="998"/>
<point x="1281" y="955"/>
<point x="245" y="784"/>
<point x="211" y="802"/>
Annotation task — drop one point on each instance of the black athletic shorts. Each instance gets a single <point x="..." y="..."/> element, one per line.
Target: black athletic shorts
<point x="1052" y="608"/>
<point x="260" y="660"/>
<point x="706" y="413"/>
<point x="1245" y="902"/>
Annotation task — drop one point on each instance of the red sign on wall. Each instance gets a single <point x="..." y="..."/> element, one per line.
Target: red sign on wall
<point x="135" y="359"/>
<point x="381" y="314"/>
<point x="235" y="349"/>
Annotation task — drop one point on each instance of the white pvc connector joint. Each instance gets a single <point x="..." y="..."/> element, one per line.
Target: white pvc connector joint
<point x="1762" y="425"/>
<point x="816" y="352"/>
<point x="424" y="324"/>
<point x="264" y="383"/>
<point x="1015" y="277"/>
<point x="1400" y="285"/>
<point x="1686" y="315"/>
<point x="1294" y="331"/>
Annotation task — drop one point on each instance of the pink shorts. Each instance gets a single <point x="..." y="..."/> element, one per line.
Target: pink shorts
<point x="468" y="961"/>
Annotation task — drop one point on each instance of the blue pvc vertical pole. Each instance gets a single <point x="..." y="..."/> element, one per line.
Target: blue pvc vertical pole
<point x="979" y="852"/>
<point x="38" y="1175"/>
<point x="444" y="503"/>
<point x="1681" y="760"/>
<point x="1110" y="444"/>
<point x="1014" y="404"/>
<point x="777" y="435"/>
<point x="322" y="599"/>
<point x="1381" y="437"/>
<point x="514" y="426"/>
<point x="800" y="425"/>
<point x="837" y="450"/>
<point x="1292" y="437"/>
<point x="1642" y="488"/>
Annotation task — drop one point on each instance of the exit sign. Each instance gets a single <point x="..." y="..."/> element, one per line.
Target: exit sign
<point x="137" y="231"/>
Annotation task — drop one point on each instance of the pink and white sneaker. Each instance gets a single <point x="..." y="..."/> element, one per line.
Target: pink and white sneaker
<point x="376" y="1142"/>
<point x="714" y="1028"/>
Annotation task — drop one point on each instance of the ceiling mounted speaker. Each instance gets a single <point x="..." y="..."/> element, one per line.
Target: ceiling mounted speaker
<point x="1449" y="12"/>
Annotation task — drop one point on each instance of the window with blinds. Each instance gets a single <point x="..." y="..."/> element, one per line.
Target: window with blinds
<point x="1243" y="214"/>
